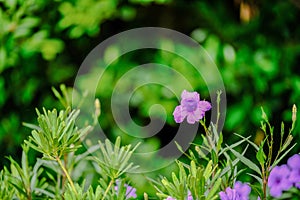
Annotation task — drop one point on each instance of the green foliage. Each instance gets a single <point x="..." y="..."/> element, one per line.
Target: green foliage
<point x="267" y="160"/>
<point x="6" y="190"/>
<point x="84" y="16"/>
<point x="215" y="170"/>
<point x="208" y="171"/>
<point x="90" y="194"/>
<point x="115" y="160"/>
<point x="196" y="182"/>
<point x="57" y="138"/>
<point x="26" y="180"/>
<point x="49" y="39"/>
<point x="42" y="43"/>
<point x="56" y="134"/>
<point x="62" y="172"/>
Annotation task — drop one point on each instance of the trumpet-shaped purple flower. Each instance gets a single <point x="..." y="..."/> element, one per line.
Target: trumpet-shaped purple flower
<point x="279" y="180"/>
<point x="191" y="108"/>
<point x="294" y="165"/>
<point x="243" y="190"/>
<point x="240" y="191"/>
<point x="229" y="194"/>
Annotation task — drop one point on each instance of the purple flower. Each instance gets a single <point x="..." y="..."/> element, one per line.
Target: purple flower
<point x="190" y="197"/>
<point x="279" y="180"/>
<point x="229" y="194"/>
<point x="243" y="190"/>
<point x="130" y="191"/>
<point x="294" y="165"/>
<point x="170" y="198"/>
<point x="190" y="107"/>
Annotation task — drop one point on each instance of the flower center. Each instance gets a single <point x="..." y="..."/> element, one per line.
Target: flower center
<point x="191" y="105"/>
<point x="277" y="180"/>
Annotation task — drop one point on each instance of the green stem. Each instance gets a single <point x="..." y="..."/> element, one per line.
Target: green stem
<point x="218" y="107"/>
<point x="64" y="175"/>
<point x="67" y="174"/>
<point x="107" y="189"/>
<point x="28" y="194"/>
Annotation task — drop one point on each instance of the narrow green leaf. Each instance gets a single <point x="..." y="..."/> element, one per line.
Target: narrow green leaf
<point x="214" y="189"/>
<point x="208" y="170"/>
<point x="234" y="145"/>
<point x="109" y="148"/>
<point x="282" y="156"/>
<point x="31" y="126"/>
<point x="256" y="177"/>
<point x="282" y="130"/>
<point x="175" y="179"/>
<point x="260" y="155"/>
<point x="246" y="161"/>
<point x="247" y="139"/>
<point x="220" y="142"/>
<point x="193" y="170"/>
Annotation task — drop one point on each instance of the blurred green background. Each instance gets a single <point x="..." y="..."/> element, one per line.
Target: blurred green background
<point x="255" y="44"/>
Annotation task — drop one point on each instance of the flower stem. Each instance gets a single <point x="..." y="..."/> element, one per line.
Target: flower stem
<point x="67" y="175"/>
<point x="264" y="179"/>
<point x="107" y="189"/>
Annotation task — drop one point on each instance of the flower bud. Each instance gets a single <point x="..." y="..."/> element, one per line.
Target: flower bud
<point x="294" y="113"/>
<point x="97" y="108"/>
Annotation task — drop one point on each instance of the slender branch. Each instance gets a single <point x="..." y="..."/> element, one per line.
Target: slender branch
<point x="264" y="180"/>
<point x="107" y="189"/>
<point x="67" y="175"/>
<point x="64" y="175"/>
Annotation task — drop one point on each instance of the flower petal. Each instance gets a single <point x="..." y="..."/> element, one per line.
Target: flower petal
<point x="184" y="94"/>
<point x="191" y="118"/>
<point x="243" y="189"/>
<point x="294" y="162"/>
<point x="190" y="95"/>
<point x="295" y="176"/>
<point x="223" y="196"/>
<point x="196" y="96"/>
<point x="204" y="105"/>
<point x="179" y="114"/>
<point x="275" y="192"/>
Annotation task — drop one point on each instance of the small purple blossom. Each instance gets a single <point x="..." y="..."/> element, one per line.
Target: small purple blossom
<point x="130" y="191"/>
<point x="240" y="191"/>
<point x="279" y="180"/>
<point x="190" y="197"/>
<point x="170" y="198"/>
<point x="190" y="107"/>
<point x="294" y="165"/>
